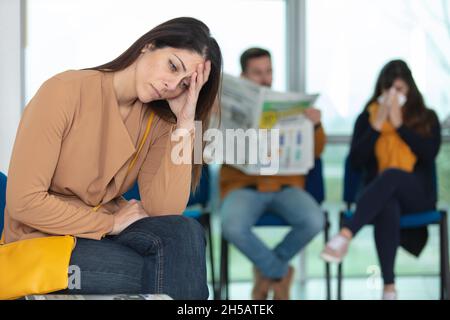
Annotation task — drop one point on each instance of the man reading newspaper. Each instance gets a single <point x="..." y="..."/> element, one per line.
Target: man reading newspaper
<point x="246" y="197"/>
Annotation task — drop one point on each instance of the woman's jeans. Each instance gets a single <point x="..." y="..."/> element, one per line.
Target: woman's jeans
<point x="155" y="255"/>
<point x="242" y="208"/>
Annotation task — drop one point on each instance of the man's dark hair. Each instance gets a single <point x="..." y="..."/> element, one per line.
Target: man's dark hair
<point x="251" y="54"/>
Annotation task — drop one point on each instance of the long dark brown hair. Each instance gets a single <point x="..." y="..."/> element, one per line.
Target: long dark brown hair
<point x="415" y="114"/>
<point x="181" y="33"/>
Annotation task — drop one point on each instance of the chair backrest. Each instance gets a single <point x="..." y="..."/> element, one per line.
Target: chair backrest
<point x="203" y="192"/>
<point x="200" y="196"/>
<point x="2" y="199"/>
<point x="133" y="193"/>
<point x="435" y="181"/>
<point x="353" y="181"/>
<point x="314" y="182"/>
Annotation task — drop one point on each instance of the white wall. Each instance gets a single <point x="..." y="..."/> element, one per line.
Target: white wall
<point x="10" y="77"/>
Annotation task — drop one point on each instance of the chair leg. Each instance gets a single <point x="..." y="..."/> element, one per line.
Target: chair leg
<point x="205" y="221"/>
<point x="227" y="272"/>
<point x="223" y="287"/>
<point x="339" y="268"/>
<point x="441" y="261"/>
<point x="444" y="257"/>
<point x="211" y="256"/>
<point x="327" y="265"/>
<point x="339" y="281"/>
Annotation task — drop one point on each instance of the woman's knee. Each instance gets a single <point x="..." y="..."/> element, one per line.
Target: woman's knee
<point x="185" y="229"/>
<point x="391" y="212"/>
<point x="151" y="235"/>
<point x="187" y="245"/>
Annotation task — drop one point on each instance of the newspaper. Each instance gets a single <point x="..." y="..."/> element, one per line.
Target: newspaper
<point x="245" y="105"/>
<point x="99" y="297"/>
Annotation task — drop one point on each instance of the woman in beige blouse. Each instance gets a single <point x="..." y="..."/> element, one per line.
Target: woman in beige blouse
<point x="75" y="155"/>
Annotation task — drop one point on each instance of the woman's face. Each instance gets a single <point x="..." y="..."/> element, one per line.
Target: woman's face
<point x="400" y="86"/>
<point x="165" y="73"/>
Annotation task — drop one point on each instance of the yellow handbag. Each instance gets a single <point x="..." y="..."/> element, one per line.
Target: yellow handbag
<point x="43" y="269"/>
<point x="40" y="265"/>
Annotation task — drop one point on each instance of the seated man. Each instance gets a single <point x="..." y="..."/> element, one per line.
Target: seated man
<point x="247" y="197"/>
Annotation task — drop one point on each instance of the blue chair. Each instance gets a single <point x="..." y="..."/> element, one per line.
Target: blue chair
<point x="353" y="184"/>
<point x="315" y="186"/>
<point x="2" y="199"/>
<point x="200" y="198"/>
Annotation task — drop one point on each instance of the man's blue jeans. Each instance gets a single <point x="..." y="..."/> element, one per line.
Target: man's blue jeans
<point x="155" y="255"/>
<point x="242" y="208"/>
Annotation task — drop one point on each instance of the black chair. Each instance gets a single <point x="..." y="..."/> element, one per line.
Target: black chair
<point x="203" y="215"/>
<point x="315" y="186"/>
<point x="353" y="183"/>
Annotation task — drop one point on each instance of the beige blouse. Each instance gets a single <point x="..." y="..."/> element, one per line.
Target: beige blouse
<point x="72" y="153"/>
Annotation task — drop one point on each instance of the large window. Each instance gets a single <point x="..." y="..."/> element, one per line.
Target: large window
<point x="77" y="34"/>
<point x="349" y="41"/>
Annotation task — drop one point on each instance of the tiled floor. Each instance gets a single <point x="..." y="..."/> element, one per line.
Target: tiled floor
<point x="409" y="288"/>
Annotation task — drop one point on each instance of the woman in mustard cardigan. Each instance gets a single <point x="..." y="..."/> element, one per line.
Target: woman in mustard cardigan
<point x="395" y="141"/>
<point x="87" y="136"/>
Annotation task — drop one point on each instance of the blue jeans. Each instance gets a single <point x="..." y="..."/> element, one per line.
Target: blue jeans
<point x="242" y="208"/>
<point x="155" y="255"/>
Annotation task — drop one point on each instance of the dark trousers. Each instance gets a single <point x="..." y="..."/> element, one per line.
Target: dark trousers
<point x="155" y="255"/>
<point x="392" y="194"/>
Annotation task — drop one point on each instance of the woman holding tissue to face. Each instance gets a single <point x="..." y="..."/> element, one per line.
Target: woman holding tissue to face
<point x="395" y="142"/>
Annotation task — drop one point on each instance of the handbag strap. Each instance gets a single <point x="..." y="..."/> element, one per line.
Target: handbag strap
<point x="141" y="144"/>
<point x="144" y="138"/>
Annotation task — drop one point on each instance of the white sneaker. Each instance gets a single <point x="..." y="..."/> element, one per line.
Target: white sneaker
<point x="389" y="295"/>
<point x="335" y="249"/>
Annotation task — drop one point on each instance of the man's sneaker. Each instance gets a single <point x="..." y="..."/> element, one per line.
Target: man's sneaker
<point x="335" y="249"/>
